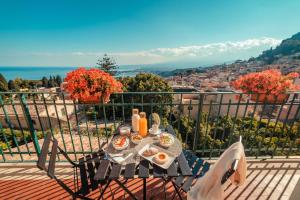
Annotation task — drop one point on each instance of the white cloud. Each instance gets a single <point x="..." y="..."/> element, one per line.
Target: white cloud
<point x="210" y="49"/>
<point x="217" y="52"/>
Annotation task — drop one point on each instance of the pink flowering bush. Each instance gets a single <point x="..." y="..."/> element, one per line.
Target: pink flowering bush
<point x="91" y="85"/>
<point x="270" y="83"/>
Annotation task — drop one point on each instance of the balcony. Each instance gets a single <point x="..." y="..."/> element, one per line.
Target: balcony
<point x="206" y="123"/>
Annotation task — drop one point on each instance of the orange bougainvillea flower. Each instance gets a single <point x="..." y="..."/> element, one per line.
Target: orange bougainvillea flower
<point x="269" y="82"/>
<point x="91" y="85"/>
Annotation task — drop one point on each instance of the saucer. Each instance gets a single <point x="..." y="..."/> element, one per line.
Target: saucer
<point x="155" y="133"/>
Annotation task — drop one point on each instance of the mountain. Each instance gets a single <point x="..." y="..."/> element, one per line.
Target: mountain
<point x="287" y="54"/>
<point x="288" y="47"/>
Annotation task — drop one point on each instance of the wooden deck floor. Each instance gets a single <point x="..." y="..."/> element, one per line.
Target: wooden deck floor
<point x="269" y="179"/>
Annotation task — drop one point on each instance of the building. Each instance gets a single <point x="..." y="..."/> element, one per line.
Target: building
<point x="44" y="116"/>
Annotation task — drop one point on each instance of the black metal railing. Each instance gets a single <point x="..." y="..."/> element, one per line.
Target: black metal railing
<point x="206" y="123"/>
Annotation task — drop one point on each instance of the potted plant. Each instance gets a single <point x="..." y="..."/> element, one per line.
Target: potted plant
<point x="267" y="86"/>
<point x="91" y="85"/>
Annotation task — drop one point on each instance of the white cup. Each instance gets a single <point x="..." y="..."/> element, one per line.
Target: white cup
<point x="154" y="128"/>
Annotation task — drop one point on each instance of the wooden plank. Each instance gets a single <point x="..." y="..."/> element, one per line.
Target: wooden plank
<point x="52" y="160"/>
<point x="205" y="168"/>
<point x="197" y="167"/>
<point x="187" y="184"/>
<point x="96" y="159"/>
<point x="187" y="154"/>
<point x="41" y="163"/>
<point x="91" y="171"/>
<point x="144" y="169"/>
<point x="179" y="181"/>
<point x="158" y="171"/>
<point x="115" y="171"/>
<point x="192" y="160"/>
<point x="172" y="171"/>
<point x="102" y="170"/>
<point x="183" y="165"/>
<point x="129" y="170"/>
<point x="83" y="177"/>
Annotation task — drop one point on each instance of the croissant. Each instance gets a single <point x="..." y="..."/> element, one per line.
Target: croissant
<point x="150" y="151"/>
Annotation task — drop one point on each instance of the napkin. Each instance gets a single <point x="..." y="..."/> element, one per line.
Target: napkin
<point x="118" y="158"/>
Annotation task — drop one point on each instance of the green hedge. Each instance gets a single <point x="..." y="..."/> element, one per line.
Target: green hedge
<point x="218" y="133"/>
<point x="18" y="135"/>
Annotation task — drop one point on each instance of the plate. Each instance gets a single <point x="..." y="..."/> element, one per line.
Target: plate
<point x="136" y="141"/>
<point x="155" y="133"/>
<point x="166" y="165"/>
<point x="120" y="142"/>
<point x="166" y="139"/>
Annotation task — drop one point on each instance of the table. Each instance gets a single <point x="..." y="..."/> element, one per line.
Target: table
<point x="109" y="171"/>
<point x="133" y="149"/>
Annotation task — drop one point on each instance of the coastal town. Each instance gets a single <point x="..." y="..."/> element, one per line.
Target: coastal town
<point x="219" y="77"/>
<point x="150" y="100"/>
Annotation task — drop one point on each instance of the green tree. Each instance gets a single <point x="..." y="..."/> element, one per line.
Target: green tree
<point x="3" y="84"/>
<point x="146" y="82"/>
<point x="108" y="65"/>
<point x="51" y="82"/>
<point x="11" y="85"/>
<point x="58" y="80"/>
<point x="45" y="81"/>
<point x="32" y="84"/>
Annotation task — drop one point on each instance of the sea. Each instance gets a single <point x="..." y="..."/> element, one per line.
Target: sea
<point x="36" y="73"/>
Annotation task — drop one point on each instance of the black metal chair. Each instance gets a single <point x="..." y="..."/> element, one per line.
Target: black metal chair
<point x="86" y="165"/>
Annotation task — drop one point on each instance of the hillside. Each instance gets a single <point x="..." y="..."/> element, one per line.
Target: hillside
<point x="289" y="47"/>
<point x="287" y="53"/>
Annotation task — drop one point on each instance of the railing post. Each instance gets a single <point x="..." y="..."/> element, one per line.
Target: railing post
<point x="1" y="152"/>
<point x="198" y="122"/>
<point x="30" y="125"/>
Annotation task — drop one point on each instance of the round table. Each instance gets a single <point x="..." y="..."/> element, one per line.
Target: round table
<point x="132" y="150"/>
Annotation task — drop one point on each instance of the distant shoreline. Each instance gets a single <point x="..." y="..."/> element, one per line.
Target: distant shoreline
<point x="36" y="73"/>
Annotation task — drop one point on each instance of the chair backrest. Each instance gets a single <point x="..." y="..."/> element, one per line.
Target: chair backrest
<point x="41" y="163"/>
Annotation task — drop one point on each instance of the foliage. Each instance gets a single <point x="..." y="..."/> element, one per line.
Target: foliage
<point x="107" y="65"/>
<point x="19" y="83"/>
<point x="147" y="82"/>
<point x="23" y="84"/>
<point x="219" y="133"/>
<point x="18" y="135"/>
<point x="91" y="85"/>
<point x="45" y="82"/>
<point x="3" y="84"/>
<point x="269" y="82"/>
<point x="53" y="81"/>
<point x="287" y="47"/>
<point x="11" y="85"/>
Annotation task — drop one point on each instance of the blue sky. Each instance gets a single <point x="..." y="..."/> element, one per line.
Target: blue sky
<point x="76" y="32"/>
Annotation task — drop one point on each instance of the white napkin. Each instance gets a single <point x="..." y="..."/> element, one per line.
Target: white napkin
<point x="118" y="158"/>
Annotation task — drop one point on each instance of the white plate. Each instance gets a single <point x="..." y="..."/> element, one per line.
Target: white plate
<point x="124" y="146"/>
<point x="171" y="138"/>
<point x="155" y="133"/>
<point x="166" y="165"/>
<point x="135" y="142"/>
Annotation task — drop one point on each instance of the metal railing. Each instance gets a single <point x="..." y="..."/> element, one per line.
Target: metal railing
<point x="206" y="123"/>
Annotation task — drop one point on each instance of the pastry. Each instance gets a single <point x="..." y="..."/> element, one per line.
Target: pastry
<point x="161" y="158"/>
<point x="150" y="152"/>
<point x="136" y="138"/>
